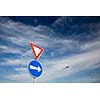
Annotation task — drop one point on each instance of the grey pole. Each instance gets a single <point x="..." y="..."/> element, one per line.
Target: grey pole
<point x="34" y="79"/>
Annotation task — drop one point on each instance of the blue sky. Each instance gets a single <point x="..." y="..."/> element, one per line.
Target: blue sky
<point x="72" y="41"/>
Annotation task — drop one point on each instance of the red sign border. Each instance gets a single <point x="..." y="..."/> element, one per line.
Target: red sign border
<point x="31" y="45"/>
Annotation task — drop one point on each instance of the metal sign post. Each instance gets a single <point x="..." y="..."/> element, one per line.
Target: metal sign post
<point x="33" y="79"/>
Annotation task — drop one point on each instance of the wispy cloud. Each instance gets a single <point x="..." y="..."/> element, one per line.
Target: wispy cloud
<point x="58" y="52"/>
<point x="76" y="63"/>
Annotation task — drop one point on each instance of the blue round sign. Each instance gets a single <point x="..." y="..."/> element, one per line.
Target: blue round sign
<point x="35" y="68"/>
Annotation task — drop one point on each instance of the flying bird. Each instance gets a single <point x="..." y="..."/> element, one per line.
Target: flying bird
<point x="66" y="67"/>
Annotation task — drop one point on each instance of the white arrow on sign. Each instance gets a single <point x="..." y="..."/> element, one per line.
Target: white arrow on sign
<point x="35" y="68"/>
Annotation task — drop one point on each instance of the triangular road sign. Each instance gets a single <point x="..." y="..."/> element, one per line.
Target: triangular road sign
<point x="37" y="51"/>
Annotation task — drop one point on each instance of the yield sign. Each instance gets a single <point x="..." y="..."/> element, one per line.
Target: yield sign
<point x="37" y="51"/>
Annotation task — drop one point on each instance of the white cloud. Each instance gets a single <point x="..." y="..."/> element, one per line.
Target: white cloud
<point x="21" y="35"/>
<point x="76" y="63"/>
<point x="55" y="67"/>
<point x="8" y="49"/>
<point x="24" y="77"/>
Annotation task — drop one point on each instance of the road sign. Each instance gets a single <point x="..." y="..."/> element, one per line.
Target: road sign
<point x="37" y="51"/>
<point x="35" y="68"/>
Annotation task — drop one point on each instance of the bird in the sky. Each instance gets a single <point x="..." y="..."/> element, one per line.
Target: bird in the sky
<point x="66" y="67"/>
